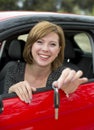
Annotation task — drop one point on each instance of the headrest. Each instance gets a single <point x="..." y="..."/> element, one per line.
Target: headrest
<point x="16" y="49"/>
<point x="69" y="50"/>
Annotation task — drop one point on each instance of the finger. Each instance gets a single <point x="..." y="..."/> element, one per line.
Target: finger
<point x="29" y="90"/>
<point x="72" y="88"/>
<point x="78" y="74"/>
<point x="18" y="92"/>
<point x="55" y="83"/>
<point x="70" y="76"/>
<point x="23" y="93"/>
<point x="33" y="88"/>
<point x="17" y="89"/>
<point x="63" y="76"/>
<point x="83" y="80"/>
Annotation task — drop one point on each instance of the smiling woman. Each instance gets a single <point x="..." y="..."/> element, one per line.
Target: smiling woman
<point x="43" y="52"/>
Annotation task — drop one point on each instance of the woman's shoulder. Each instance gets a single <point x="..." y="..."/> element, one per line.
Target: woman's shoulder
<point x="17" y="66"/>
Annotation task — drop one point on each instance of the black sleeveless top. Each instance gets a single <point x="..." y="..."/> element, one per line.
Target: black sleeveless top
<point x="15" y="74"/>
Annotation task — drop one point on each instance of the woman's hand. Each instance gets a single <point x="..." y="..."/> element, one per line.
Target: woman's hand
<point x="23" y="90"/>
<point x="69" y="80"/>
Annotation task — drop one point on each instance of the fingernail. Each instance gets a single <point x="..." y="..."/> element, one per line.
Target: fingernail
<point x="67" y="95"/>
<point x="26" y="101"/>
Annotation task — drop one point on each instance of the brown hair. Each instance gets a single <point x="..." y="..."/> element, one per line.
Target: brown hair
<point x="40" y="30"/>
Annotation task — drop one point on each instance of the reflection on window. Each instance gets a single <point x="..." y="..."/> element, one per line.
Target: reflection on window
<point x="83" y="41"/>
<point x="23" y="37"/>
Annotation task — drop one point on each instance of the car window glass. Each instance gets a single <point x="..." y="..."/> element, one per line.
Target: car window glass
<point x="23" y="37"/>
<point x="83" y="41"/>
<point x="1" y="49"/>
<point x="0" y="45"/>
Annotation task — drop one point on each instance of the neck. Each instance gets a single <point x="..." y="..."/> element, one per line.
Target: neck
<point x="40" y="72"/>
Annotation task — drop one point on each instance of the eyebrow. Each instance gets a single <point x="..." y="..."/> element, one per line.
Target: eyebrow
<point x="50" y="41"/>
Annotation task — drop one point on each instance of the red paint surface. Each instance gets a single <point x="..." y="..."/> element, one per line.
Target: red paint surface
<point x="75" y="112"/>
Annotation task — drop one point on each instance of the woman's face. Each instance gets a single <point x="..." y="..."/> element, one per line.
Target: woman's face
<point x="45" y="50"/>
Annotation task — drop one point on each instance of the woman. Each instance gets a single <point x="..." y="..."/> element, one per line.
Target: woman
<point x="43" y="55"/>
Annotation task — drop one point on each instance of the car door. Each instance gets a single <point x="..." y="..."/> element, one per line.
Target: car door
<point x="75" y="111"/>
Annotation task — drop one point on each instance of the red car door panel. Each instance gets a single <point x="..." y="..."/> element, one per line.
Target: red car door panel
<point x="75" y="112"/>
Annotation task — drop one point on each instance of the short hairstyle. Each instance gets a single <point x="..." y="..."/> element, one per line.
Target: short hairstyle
<point x="40" y="30"/>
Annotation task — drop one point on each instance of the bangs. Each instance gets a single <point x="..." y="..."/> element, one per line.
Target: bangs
<point x="42" y="30"/>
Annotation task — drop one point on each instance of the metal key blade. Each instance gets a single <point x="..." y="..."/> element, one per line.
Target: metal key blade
<point x="56" y="102"/>
<point x="56" y="113"/>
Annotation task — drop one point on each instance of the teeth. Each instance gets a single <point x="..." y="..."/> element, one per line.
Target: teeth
<point x="44" y="56"/>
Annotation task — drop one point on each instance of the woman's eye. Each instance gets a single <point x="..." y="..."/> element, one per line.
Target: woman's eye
<point x="53" y="44"/>
<point x="39" y="41"/>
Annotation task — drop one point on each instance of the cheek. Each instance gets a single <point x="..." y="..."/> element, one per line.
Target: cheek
<point x="56" y="52"/>
<point x="33" y="49"/>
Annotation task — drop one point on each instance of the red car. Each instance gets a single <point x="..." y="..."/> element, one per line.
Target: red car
<point x="75" y="112"/>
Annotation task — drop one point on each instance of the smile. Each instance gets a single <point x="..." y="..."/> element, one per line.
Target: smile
<point x="44" y="56"/>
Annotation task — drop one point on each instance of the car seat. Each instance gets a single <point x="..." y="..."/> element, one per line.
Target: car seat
<point x="69" y="56"/>
<point x="15" y="53"/>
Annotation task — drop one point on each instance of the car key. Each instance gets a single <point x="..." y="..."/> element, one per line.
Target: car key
<point x="56" y="101"/>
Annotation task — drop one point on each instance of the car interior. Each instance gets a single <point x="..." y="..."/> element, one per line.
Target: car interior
<point x="77" y="56"/>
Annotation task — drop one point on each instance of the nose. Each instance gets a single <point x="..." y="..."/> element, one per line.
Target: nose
<point x="45" y="47"/>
